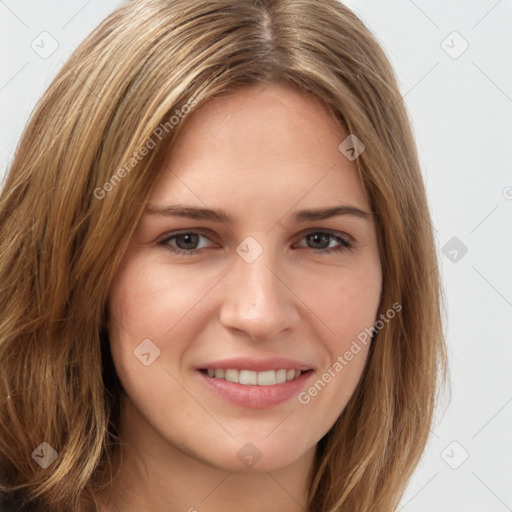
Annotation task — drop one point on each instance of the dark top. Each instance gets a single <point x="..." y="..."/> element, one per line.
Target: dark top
<point x="11" y="503"/>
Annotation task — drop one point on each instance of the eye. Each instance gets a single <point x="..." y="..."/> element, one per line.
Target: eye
<point x="186" y="242"/>
<point x="326" y="242"/>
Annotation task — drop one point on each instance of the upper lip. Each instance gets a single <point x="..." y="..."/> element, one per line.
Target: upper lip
<point x="257" y="365"/>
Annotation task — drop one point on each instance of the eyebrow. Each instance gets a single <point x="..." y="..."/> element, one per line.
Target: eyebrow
<point x="219" y="215"/>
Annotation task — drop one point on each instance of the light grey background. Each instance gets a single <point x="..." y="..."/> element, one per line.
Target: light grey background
<point x="460" y="103"/>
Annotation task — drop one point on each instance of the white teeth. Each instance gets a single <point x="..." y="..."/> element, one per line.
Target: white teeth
<point x="231" y="375"/>
<point x="280" y="376"/>
<point x="267" y="378"/>
<point x="249" y="377"/>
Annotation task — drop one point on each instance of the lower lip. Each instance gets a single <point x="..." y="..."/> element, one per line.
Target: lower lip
<point x="256" y="397"/>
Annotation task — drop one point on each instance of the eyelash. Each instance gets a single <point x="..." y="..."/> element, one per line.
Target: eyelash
<point x="343" y="244"/>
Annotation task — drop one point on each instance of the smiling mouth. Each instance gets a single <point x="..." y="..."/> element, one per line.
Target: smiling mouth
<point x="252" y="378"/>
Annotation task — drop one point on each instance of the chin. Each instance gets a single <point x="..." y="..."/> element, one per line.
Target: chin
<point x="259" y="454"/>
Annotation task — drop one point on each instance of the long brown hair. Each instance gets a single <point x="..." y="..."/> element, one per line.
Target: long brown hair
<point x="78" y="185"/>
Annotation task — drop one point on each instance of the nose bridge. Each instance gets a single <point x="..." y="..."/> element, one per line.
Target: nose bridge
<point x="257" y="301"/>
<point x="257" y="282"/>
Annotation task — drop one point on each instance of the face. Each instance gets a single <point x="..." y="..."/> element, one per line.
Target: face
<point x="237" y="270"/>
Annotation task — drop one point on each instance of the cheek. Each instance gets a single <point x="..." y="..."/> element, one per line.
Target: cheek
<point x="346" y="308"/>
<point x="346" y="301"/>
<point x="139" y="310"/>
<point x="151" y="299"/>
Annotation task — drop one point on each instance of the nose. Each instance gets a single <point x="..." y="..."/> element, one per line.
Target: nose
<point x="257" y="299"/>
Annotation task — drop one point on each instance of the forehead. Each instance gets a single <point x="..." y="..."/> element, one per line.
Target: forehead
<point x="260" y="146"/>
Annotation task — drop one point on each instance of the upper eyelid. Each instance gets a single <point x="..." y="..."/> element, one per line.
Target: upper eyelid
<point x="172" y="234"/>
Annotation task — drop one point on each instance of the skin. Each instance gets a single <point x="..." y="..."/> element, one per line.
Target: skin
<point x="261" y="154"/>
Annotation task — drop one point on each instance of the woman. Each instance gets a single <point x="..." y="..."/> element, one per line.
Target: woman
<point x="219" y="280"/>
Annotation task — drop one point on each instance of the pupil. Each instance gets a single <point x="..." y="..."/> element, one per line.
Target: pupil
<point x="189" y="238"/>
<point x="319" y="238"/>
